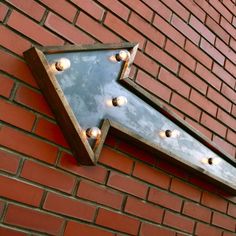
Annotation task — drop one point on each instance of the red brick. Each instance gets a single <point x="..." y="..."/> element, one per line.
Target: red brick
<point x="213" y="124"/>
<point x="123" y="29"/>
<point x="95" y="173"/>
<point x="185" y="29"/>
<point x="223" y="75"/>
<point x="228" y="120"/>
<point x="199" y="127"/>
<point x="185" y="106"/>
<point x="180" y="55"/>
<point x="76" y="228"/>
<point x="227" y="147"/>
<point x="159" y="8"/>
<point x="127" y="184"/>
<point x="34" y="219"/>
<point x="2" y="206"/>
<point x="220" y="8"/>
<point x="116" y="160"/>
<point x="19" y="191"/>
<point x="13" y="66"/>
<point x="140" y="8"/>
<point x="232" y="210"/>
<point x="206" y="230"/>
<point x="227" y="51"/>
<point x="198" y="54"/>
<point x="95" y="29"/>
<point x="230" y="5"/>
<point x="16" y="115"/>
<point x="209" y="9"/>
<point x="27" y="27"/>
<point x="215" y="28"/>
<point x="214" y="201"/>
<point x="31" y="8"/>
<point x="178" y="222"/>
<point x="32" y="99"/>
<point x="148" y="230"/>
<point x="104" y="196"/>
<point x="209" y="77"/>
<point x="148" y="30"/>
<point x="117" y="7"/>
<point x="197" y="211"/>
<point x="69" y="207"/>
<point x="10" y="232"/>
<point x="119" y="221"/>
<point x="228" y="234"/>
<point x="146" y="63"/>
<point x="12" y="41"/>
<point x="228" y="27"/>
<point x="178" y="9"/>
<point x="219" y="99"/>
<point x="192" y="79"/>
<point x="211" y="51"/>
<point x="229" y="93"/>
<point x="6" y="86"/>
<point x="3" y="11"/>
<point x="151" y="175"/>
<point x="50" y="131"/>
<point x="69" y="32"/>
<point x="9" y="162"/>
<point x="161" y="57"/>
<point x="232" y="43"/>
<point x="137" y="152"/>
<point x="231" y="137"/>
<point x="223" y="221"/>
<point x="202" y="101"/>
<point x="63" y="8"/>
<point x="202" y="29"/>
<point x="234" y="110"/>
<point x="194" y="9"/>
<point x="169" y="30"/>
<point x="91" y="8"/>
<point x="27" y="144"/>
<point x="47" y="176"/>
<point x="174" y="83"/>
<point x="165" y="199"/>
<point x="230" y="67"/>
<point x="153" y="86"/>
<point x="185" y="190"/>
<point x="143" y="210"/>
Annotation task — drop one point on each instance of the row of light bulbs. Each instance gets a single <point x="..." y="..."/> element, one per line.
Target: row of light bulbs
<point x="94" y="132"/>
<point x="64" y="63"/>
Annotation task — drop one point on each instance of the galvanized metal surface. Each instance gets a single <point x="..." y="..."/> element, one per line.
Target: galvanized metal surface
<point x="91" y="83"/>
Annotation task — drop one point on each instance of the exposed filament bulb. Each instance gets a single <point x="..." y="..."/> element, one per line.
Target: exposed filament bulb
<point x="62" y="64"/>
<point x="169" y="133"/>
<point x="211" y="160"/>
<point x="119" y="101"/>
<point x="93" y="132"/>
<point x="123" y="55"/>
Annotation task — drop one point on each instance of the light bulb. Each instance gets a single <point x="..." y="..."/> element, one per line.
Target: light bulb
<point x="62" y="64"/>
<point x="169" y="133"/>
<point x="119" y="101"/>
<point x="123" y="55"/>
<point x="211" y="160"/>
<point x="93" y="132"/>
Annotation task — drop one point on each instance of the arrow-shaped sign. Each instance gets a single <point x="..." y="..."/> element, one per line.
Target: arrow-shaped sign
<point x="90" y="93"/>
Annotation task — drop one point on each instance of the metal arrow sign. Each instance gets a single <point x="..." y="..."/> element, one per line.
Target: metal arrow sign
<point x="90" y="93"/>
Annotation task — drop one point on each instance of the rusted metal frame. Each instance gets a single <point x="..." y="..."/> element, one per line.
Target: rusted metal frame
<point x="55" y="97"/>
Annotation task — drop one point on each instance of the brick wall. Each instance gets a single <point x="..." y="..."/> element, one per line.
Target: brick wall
<point x="187" y="57"/>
